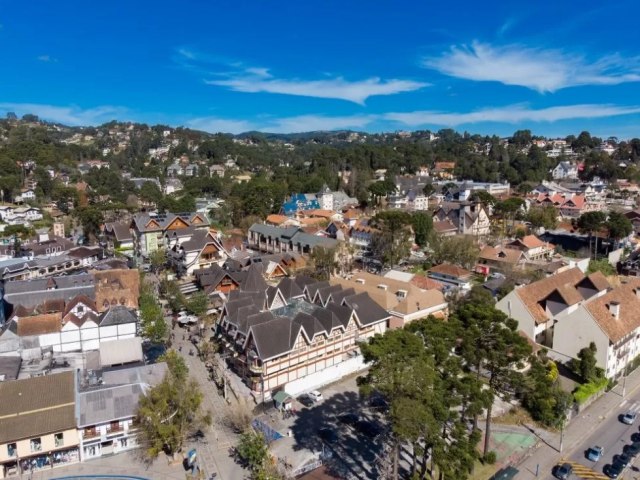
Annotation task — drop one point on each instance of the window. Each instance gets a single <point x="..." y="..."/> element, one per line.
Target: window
<point x="124" y="442"/>
<point x="12" y="449"/>
<point x="59" y="439"/>
<point x="80" y="309"/>
<point x="36" y="444"/>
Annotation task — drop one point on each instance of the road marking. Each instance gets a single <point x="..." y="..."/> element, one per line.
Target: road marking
<point x="585" y="472"/>
<point x="623" y="403"/>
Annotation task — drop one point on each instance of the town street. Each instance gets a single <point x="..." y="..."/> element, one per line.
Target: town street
<point x="599" y="424"/>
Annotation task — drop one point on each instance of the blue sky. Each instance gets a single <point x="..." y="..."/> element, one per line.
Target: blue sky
<point x="485" y="67"/>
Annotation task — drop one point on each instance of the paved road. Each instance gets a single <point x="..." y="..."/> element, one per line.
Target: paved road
<point x="599" y="425"/>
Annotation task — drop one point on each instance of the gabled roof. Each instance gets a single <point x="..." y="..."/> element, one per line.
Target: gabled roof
<point x="80" y="299"/>
<point x="290" y="288"/>
<point x="533" y="294"/>
<point x="629" y="317"/>
<point x="37" y="406"/>
<point x="452" y="270"/>
<point x="117" y="315"/>
<point x="367" y="311"/>
<point x="275" y="337"/>
<point x="509" y="256"/>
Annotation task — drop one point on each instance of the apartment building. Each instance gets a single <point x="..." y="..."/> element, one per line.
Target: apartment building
<point x="37" y="424"/>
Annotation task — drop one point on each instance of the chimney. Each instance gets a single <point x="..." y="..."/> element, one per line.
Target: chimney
<point x="614" y="308"/>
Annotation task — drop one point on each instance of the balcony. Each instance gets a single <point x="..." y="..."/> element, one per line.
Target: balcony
<point x="90" y="433"/>
<point x="255" y="368"/>
<point x="114" y="430"/>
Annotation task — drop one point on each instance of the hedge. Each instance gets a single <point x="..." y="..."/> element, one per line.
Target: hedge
<point x="586" y="390"/>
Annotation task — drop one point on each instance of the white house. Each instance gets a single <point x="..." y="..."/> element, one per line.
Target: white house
<point x="565" y="171"/>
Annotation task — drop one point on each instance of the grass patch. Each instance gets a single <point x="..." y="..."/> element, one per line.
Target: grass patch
<point x="515" y="416"/>
<point x="587" y="390"/>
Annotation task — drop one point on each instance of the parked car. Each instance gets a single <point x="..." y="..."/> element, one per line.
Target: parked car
<point x="328" y="435"/>
<point x="316" y="396"/>
<point x="305" y="400"/>
<point x="623" y="459"/>
<point x="594" y="453"/>
<point x="614" y="470"/>
<point x="563" y="472"/>
<point x="349" y="418"/>
<point x="628" y="418"/>
<point x="633" y="449"/>
<point x="368" y="429"/>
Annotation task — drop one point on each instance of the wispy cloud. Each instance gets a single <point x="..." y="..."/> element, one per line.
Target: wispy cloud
<point x="68" y="115"/>
<point x="239" y="77"/>
<point x="511" y="114"/>
<point x="255" y="80"/>
<point x="47" y="59"/>
<point x="300" y="123"/>
<point x="544" y="70"/>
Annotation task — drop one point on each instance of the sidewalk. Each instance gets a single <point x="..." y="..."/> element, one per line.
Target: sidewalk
<point x="545" y="454"/>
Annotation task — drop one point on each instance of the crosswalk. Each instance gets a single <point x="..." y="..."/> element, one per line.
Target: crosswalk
<point x="632" y="406"/>
<point x="582" y="471"/>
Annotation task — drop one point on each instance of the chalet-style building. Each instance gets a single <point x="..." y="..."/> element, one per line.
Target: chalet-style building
<point x="271" y="239"/>
<point x="469" y="218"/>
<point x="291" y="338"/>
<point x="202" y="248"/>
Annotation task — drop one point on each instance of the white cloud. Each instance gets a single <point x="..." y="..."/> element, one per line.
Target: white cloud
<point x="300" y="123"/>
<point x="254" y="80"/>
<point x="47" y="59"/>
<point x="535" y="68"/>
<point x="511" y="114"/>
<point x="71" y="115"/>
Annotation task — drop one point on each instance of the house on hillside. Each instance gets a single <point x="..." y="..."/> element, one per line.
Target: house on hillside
<point x="468" y="217"/>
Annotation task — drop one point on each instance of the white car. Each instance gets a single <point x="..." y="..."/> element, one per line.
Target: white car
<point x="316" y="396"/>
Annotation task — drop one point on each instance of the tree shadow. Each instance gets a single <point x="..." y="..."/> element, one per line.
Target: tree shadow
<point x="353" y="454"/>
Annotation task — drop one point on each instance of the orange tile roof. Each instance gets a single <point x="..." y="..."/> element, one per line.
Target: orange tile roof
<point x="499" y="254"/>
<point x="276" y="219"/>
<point x="535" y="292"/>
<point x="40" y="324"/>
<point x="319" y="213"/>
<point x="531" y="241"/>
<point x="426" y="283"/>
<point x="629" y="317"/>
<point x="453" y="270"/>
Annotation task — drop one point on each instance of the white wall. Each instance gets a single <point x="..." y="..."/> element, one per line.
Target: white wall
<point x="512" y="306"/>
<point x="576" y="331"/>
<point x="325" y="376"/>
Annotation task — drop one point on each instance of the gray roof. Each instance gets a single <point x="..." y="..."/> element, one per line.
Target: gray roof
<point x="289" y="288"/>
<point x="117" y="315"/>
<point x="108" y="404"/>
<point x="151" y="374"/>
<point x="366" y="309"/>
<point x="275" y="337"/>
<point x="293" y="235"/>
<point x="9" y="367"/>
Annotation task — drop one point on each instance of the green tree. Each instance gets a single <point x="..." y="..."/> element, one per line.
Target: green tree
<point x="603" y="266"/>
<point x="586" y="364"/>
<point x="324" y="262"/>
<point x="541" y="393"/>
<point x="154" y="326"/>
<point x="91" y="220"/>
<point x="392" y="241"/>
<point x="198" y="304"/>
<point x="253" y="451"/>
<point x="543" y="217"/>
<point x="492" y="345"/>
<point x="422" y="224"/>
<point x="619" y="226"/>
<point x="158" y="259"/>
<point x="458" y="250"/>
<point x="402" y="372"/>
<point x="592" y="222"/>
<point x="171" y="411"/>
